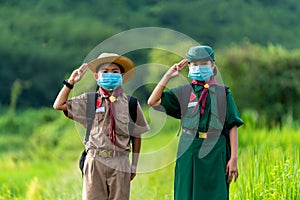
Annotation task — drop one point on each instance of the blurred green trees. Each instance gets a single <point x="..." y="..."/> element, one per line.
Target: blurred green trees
<point x="263" y="79"/>
<point x="41" y="42"/>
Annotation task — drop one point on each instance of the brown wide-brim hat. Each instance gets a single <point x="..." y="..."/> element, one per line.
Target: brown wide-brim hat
<point x="123" y="61"/>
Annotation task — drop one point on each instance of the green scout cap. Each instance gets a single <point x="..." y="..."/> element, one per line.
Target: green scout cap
<point x="200" y="52"/>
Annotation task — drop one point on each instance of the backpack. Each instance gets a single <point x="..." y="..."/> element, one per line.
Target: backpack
<point x="90" y="115"/>
<point x="184" y="95"/>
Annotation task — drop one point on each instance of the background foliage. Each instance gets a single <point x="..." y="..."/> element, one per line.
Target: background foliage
<point x="256" y="44"/>
<point x="40" y="160"/>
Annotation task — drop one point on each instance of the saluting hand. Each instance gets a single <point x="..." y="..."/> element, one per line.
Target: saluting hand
<point x="77" y="74"/>
<point x="176" y="68"/>
<point x="154" y="99"/>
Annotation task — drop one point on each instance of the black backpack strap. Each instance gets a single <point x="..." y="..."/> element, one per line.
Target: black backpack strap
<point x="221" y="99"/>
<point x="222" y="106"/>
<point x="222" y="92"/>
<point x="184" y="97"/>
<point x="132" y="105"/>
<point x="90" y="113"/>
<point x="185" y="93"/>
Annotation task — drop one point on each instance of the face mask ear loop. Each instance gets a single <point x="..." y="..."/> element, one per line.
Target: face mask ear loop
<point x="109" y="81"/>
<point x="200" y="72"/>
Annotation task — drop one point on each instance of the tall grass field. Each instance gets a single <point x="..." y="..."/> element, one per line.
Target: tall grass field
<point x="39" y="152"/>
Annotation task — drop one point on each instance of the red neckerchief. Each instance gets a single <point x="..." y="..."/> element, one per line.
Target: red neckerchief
<point x="204" y="94"/>
<point x="111" y="100"/>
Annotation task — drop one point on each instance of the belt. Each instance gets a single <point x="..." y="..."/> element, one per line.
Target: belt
<point x="202" y="135"/>
<point x="104" y="153"/>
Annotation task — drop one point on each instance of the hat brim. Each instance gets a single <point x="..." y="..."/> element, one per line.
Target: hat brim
<point x="126" y="63"/>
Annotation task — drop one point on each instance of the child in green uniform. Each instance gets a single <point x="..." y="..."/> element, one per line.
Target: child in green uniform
<point x="208" y="148"/>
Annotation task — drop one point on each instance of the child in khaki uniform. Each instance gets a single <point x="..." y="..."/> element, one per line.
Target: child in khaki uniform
<point x="107" y="171"/>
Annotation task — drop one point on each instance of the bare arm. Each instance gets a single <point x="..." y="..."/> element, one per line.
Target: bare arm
<point x="232" y="168"/>
<point x="155" y="97"/>
<point x="62" y="97"/>
<point x="136" y="146"/>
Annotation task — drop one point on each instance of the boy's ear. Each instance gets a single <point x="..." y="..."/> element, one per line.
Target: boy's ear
<point x="96" y="76"/>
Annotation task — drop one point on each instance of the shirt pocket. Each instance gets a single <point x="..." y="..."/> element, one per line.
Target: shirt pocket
<point x="191" y="117"/>
<point x="122" y="122"/>
<point x="99" y="124"/>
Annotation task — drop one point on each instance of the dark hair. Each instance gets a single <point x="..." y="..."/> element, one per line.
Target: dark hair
<point x="215" y="71"/>
<point x="99" y="66"/>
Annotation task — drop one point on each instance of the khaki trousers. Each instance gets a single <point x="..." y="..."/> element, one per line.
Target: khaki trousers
<point x="106" y="178"/>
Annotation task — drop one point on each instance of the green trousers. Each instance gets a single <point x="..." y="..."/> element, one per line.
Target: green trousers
<point x="201" y="176"/>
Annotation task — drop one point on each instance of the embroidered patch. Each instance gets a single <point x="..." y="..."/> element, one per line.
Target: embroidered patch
<point x="206" y="86"/>
<point x="193" y="96"/>
<point x="112" y="99"/>
<point x="101" y="109"/>
<point x="192" y="104"/>
<point x="98" y="103"/>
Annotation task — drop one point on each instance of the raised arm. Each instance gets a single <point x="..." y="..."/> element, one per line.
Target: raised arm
<point x="155" y="97"/>
<point x="62" y="97"/>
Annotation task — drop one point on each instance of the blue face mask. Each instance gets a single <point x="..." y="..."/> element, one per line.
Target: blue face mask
<point x="200" y="73"/>
<point x="109" y="81"/>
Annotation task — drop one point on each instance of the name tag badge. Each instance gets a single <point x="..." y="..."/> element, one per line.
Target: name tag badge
<point x="192" y="104"/>
<point x="101" y="109"/>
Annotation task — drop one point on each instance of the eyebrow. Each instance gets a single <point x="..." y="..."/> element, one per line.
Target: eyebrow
<point x="108" y="67"/>
<point x="199" y="61"/>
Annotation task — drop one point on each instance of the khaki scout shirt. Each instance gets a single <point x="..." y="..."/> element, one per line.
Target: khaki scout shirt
<point x="100" y="132"/>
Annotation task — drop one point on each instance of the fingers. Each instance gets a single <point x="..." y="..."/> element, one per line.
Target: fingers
<point x="227" y="169"/>
<point x="182" y="63"/>
<point x="236" y="175"/>
<point x="83" y="68"/>
<point x="179" y="66"/>
<point x="232" y="170"/>
<point x="229" y="178"/>
<point x="175" y="69"/>
<point x="232" y="174"/>
<point x="78" y="73"/>
<point x="132" y="176"/>
<point x="133" y="172"/>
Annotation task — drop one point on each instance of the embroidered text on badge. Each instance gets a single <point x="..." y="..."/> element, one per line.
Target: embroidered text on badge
<point x="192" y="104"/>
<point x="101" y="109"/>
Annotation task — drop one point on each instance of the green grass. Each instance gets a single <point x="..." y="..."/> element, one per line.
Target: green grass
<point x="40" y="162"/>
<point x="269" y="165"/>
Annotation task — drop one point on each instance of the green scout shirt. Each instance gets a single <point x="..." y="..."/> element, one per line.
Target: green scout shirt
<point x="171" y="104"/>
